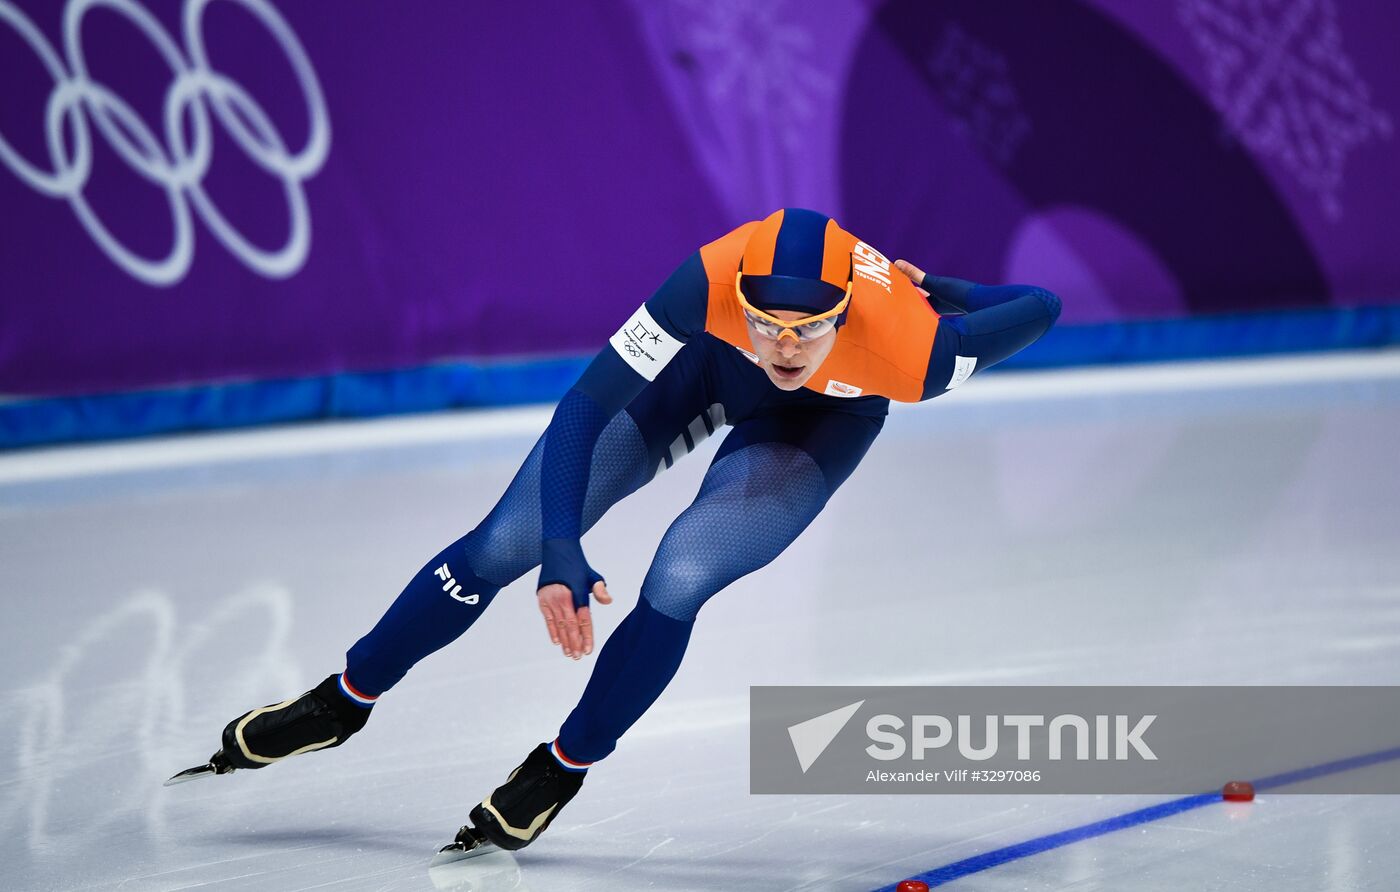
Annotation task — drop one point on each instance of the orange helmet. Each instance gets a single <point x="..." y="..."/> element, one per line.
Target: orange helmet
<point x="797" y="260"/>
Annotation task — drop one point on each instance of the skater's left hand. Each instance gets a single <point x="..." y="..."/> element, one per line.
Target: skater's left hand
<point x="570" y="628"/>
<point x="915" y="274"/>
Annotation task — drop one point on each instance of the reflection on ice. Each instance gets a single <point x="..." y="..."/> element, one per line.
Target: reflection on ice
<point x="112" y="709"/>
<point x="492" y="872"/>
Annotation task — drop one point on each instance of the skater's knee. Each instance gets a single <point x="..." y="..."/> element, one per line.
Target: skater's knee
<point x="501" y="551"/>
<point x="677" y="587"/>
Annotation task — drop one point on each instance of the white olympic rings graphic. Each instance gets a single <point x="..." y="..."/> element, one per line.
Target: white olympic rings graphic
<point x="174" y="165"/>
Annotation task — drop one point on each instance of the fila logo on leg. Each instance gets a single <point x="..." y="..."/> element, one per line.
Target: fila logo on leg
<point x="450" y="586"/>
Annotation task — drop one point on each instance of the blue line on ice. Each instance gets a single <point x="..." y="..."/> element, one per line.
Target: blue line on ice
<point x="987" y="860"/>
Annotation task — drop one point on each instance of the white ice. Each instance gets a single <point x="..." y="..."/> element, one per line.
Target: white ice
<point x="1183" y="524"/>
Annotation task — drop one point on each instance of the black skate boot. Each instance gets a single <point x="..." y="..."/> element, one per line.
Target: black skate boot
<point x="319" y="719"/>
<point x="519" y="810"/>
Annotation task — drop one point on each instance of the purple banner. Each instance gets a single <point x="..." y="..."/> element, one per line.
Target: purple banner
<point x="214" y="190"/>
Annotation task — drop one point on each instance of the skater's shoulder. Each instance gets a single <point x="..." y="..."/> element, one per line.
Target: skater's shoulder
<point x="722" y="256"/>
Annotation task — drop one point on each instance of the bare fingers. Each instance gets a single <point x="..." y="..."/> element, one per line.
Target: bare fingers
<point x="549" y="624"/>
<point x="571" y="629"/>
<point x="915" y="274"/>
<point x="585" y="627"/>
<point x="573" y="637"/>
<point x="556" y="605"/>
<point x="585" y="615"/>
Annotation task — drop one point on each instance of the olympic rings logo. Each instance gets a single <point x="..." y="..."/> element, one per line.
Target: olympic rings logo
<point x="177" y="164"/>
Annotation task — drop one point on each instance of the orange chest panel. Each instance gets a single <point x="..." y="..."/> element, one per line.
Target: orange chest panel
<point x="882" y="349"/>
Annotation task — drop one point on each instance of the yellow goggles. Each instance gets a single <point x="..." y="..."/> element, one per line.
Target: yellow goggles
<point x="805" y="329"/>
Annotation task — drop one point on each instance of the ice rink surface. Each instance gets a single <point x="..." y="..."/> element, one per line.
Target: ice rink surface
<point x="1232" y="523"/>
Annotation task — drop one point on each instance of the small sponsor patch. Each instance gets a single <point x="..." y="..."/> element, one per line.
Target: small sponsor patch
<point x="962" y="370"/>
<point x="645" y="345"/>
<point x="840" y="388"/>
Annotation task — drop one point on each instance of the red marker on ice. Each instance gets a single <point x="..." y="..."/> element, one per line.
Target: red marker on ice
<point x="1238" y="791"/>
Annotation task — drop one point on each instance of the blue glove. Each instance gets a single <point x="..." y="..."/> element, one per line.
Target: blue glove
<point x="563" y="562"/>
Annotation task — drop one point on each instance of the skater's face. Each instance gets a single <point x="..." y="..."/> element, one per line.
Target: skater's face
<point x="788" y="362"/>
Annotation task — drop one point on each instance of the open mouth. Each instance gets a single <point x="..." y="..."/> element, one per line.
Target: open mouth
<point x="788" y="371"/>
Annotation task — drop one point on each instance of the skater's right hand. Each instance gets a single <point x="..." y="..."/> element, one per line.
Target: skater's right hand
<point x="568" y="627"/>
<point x="565" y="583"/>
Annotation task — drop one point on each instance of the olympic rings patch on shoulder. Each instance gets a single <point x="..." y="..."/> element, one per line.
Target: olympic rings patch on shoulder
<point x="176" y="163"/>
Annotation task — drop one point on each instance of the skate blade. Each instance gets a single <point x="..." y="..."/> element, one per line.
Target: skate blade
<point x="454" y="852"/>
<point x="195" y="773"/>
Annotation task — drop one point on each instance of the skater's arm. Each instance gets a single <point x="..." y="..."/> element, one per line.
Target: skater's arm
<point x="947" y="296"/>
<point x="566" y="579"/>
<point x="950" y="296"/>
<point x="996" y="322"/>
<point x="635" y="355"/>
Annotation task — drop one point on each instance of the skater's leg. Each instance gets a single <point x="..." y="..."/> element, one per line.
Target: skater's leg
<point x="635" y="665"/>
<point x="769" y="481"/>
<point x="455" y="587"/>
<point x="757" y="496"/>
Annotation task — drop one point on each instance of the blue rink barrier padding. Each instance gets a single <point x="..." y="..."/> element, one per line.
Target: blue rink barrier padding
<point x="1206" y="337"/>
<point x="40" y="421"/>
<point x="246" y="403"/>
